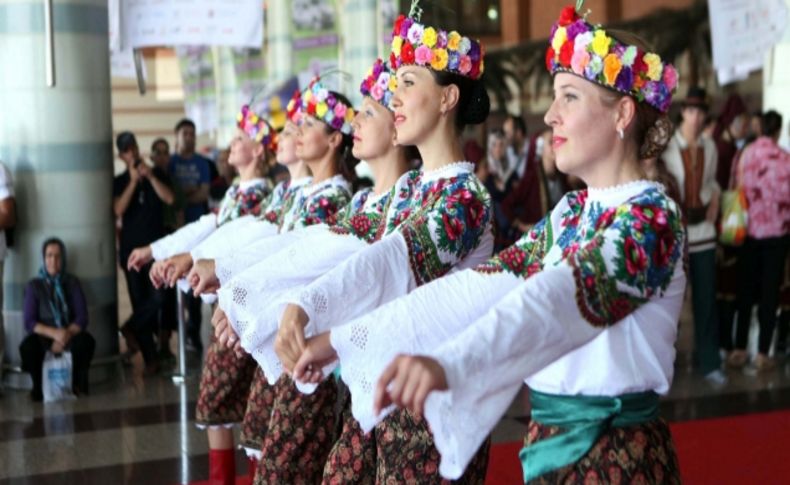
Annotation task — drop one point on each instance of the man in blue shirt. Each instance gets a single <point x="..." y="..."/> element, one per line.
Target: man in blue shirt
<point x="190" y="171"/>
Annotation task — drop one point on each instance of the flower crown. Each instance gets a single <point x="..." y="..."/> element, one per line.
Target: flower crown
<point x="293" y="110"/>
<point x="580" y="48"/>
<point x="256" y="128"/>
<point x="414" y="43"/>
<point x="323" y="105"/>
<point x="379" y="84"/>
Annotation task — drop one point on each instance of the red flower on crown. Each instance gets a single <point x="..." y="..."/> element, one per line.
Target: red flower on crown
<point x="397" y="26"/>
<point x="549" y="58"/>
<point x="566" y="53"/>
<point x="407" y="53"/>
<point x="568" y="16"/>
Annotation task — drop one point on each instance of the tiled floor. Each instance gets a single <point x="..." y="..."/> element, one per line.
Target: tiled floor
<point x="133" y="430"/>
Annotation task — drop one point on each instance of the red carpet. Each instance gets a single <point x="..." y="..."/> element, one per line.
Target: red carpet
<point x="750" y="449"/>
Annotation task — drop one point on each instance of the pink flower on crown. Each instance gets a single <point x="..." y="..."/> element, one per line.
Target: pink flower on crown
<point x="376" y="92"/>
<point x="465" y="65"/>
<point x="340" y="110"/>
<point x="415" y="34"/>
<point x="579" y="61"/>
<point x="582" y="41"/>
<point x="384" y="80"/>
<point x="423" y="55"/>
<point x="670" y="77"/>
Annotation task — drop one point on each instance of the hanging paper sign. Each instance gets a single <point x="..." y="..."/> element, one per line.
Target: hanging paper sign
<point x="742" y="32"/>
<point x="151" y="23"/>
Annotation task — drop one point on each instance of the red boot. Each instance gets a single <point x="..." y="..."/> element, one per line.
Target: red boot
<point x="222" y="467"/>
<point x="252" y="466"/>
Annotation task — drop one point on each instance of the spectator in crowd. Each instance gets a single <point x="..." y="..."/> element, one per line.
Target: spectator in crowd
<point x="515" y="129"/>
<point x="55" y="316"/>
<point x="173" y="218"/>
<point x="7" y="221"/>
<point x="556" y="181"/>
<point x="732" y="127"/>
<point x="139" y="198"/>
<point x="765" y="169"/>
<point x="498" y="176"/>
<point x="692" y="159"/>
<point x="528" y="202"/>
<point x="192" y="173"/>
<point x="221" y="183"/>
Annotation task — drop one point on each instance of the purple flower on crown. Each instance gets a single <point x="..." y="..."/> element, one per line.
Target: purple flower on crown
<point x="415" y="34"/>
<point x="331" y="101"/>
<point x="453" y="60"/>
<point x="405" y="26"/>
<point x="337" y="123"/>
<point x="383" y="81"/>
<point x="625" y="79"/>
<point x="441" y="39"/>
<point x="574" y="29"/>
<point x="474" y="52"/>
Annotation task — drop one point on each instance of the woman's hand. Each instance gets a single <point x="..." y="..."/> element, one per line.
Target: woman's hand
<point x="289" y="343"/>
<point x="157" y="273"/>
<point x="317" y="354"/>
<point x="176" y="267"/>
<point x="139" y="258"/>
<point x="202" y="278"/>
<point x="407" y="381"/>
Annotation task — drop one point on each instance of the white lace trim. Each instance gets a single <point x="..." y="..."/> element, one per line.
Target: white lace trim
<point x="459" y="166"/>
<point x="626" y="189"/>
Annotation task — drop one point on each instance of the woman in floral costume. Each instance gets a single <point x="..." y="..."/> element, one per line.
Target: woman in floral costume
<point x="441" y="222"/>
<point x="583" y="308"/>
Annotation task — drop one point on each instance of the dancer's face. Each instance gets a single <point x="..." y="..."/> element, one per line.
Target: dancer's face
<point x="417" y="104"/>
<point x="243" y="149"/>
<point x="374" y="130"/>
<point x="312" y="139"/>
<point x="584" y="129"/>
<point x="286" y="144"/>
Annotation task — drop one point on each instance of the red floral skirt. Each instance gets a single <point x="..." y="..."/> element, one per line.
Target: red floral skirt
<point x="258" y="413"/>
<point x="639" y="454"/>
<point x="224" y="386"/>
<point x="406" y="454"/>
<point x="300" y="434"/>
<point x="353" y="456"/>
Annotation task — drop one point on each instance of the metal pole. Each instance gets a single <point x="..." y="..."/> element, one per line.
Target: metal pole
<point x="138" y="69"/>
<point x="179" y="377"/>
<point x="49" y="41"/>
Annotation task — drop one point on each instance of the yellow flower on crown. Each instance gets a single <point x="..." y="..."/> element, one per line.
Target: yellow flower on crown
<point x="307" y="96"/>
<point x="560" y="36"/>
<point x="600" y="43"/>
<point x="453" y="40"/>
<point x="429" y="37"/>
<point x="393" y="83"/>
<point x="654" y="68"/>
<point x="439" y="61"/>
<point x="397" y="44"/>
<point x="321" y="109"/>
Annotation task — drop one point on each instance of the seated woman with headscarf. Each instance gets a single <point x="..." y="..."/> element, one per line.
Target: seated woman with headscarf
<point x="56" y="315"/>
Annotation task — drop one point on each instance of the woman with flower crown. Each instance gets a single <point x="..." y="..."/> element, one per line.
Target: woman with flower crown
<point x="251" y="149"/>
<point x="443" y="225"/>
<point x="286" y="261"/>
<point x="583" y="308"/>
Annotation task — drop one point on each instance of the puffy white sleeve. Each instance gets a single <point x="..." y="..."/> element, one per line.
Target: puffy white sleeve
<point x="417" y="323"/>
<point x="375" y="275"/>
<point x="256" y="319"/>
<point x="234" y="236"/>
<point x="184" y="239"/>
<point x="231" y="264"/>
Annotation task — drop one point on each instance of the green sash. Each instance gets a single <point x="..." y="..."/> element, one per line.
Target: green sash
<point x="584" y="419"/>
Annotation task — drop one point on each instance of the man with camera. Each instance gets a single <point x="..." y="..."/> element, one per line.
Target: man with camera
<point x="139" y="196"/>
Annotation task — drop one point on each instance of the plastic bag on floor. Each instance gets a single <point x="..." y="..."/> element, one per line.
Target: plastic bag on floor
<point x="56" y="374"/>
